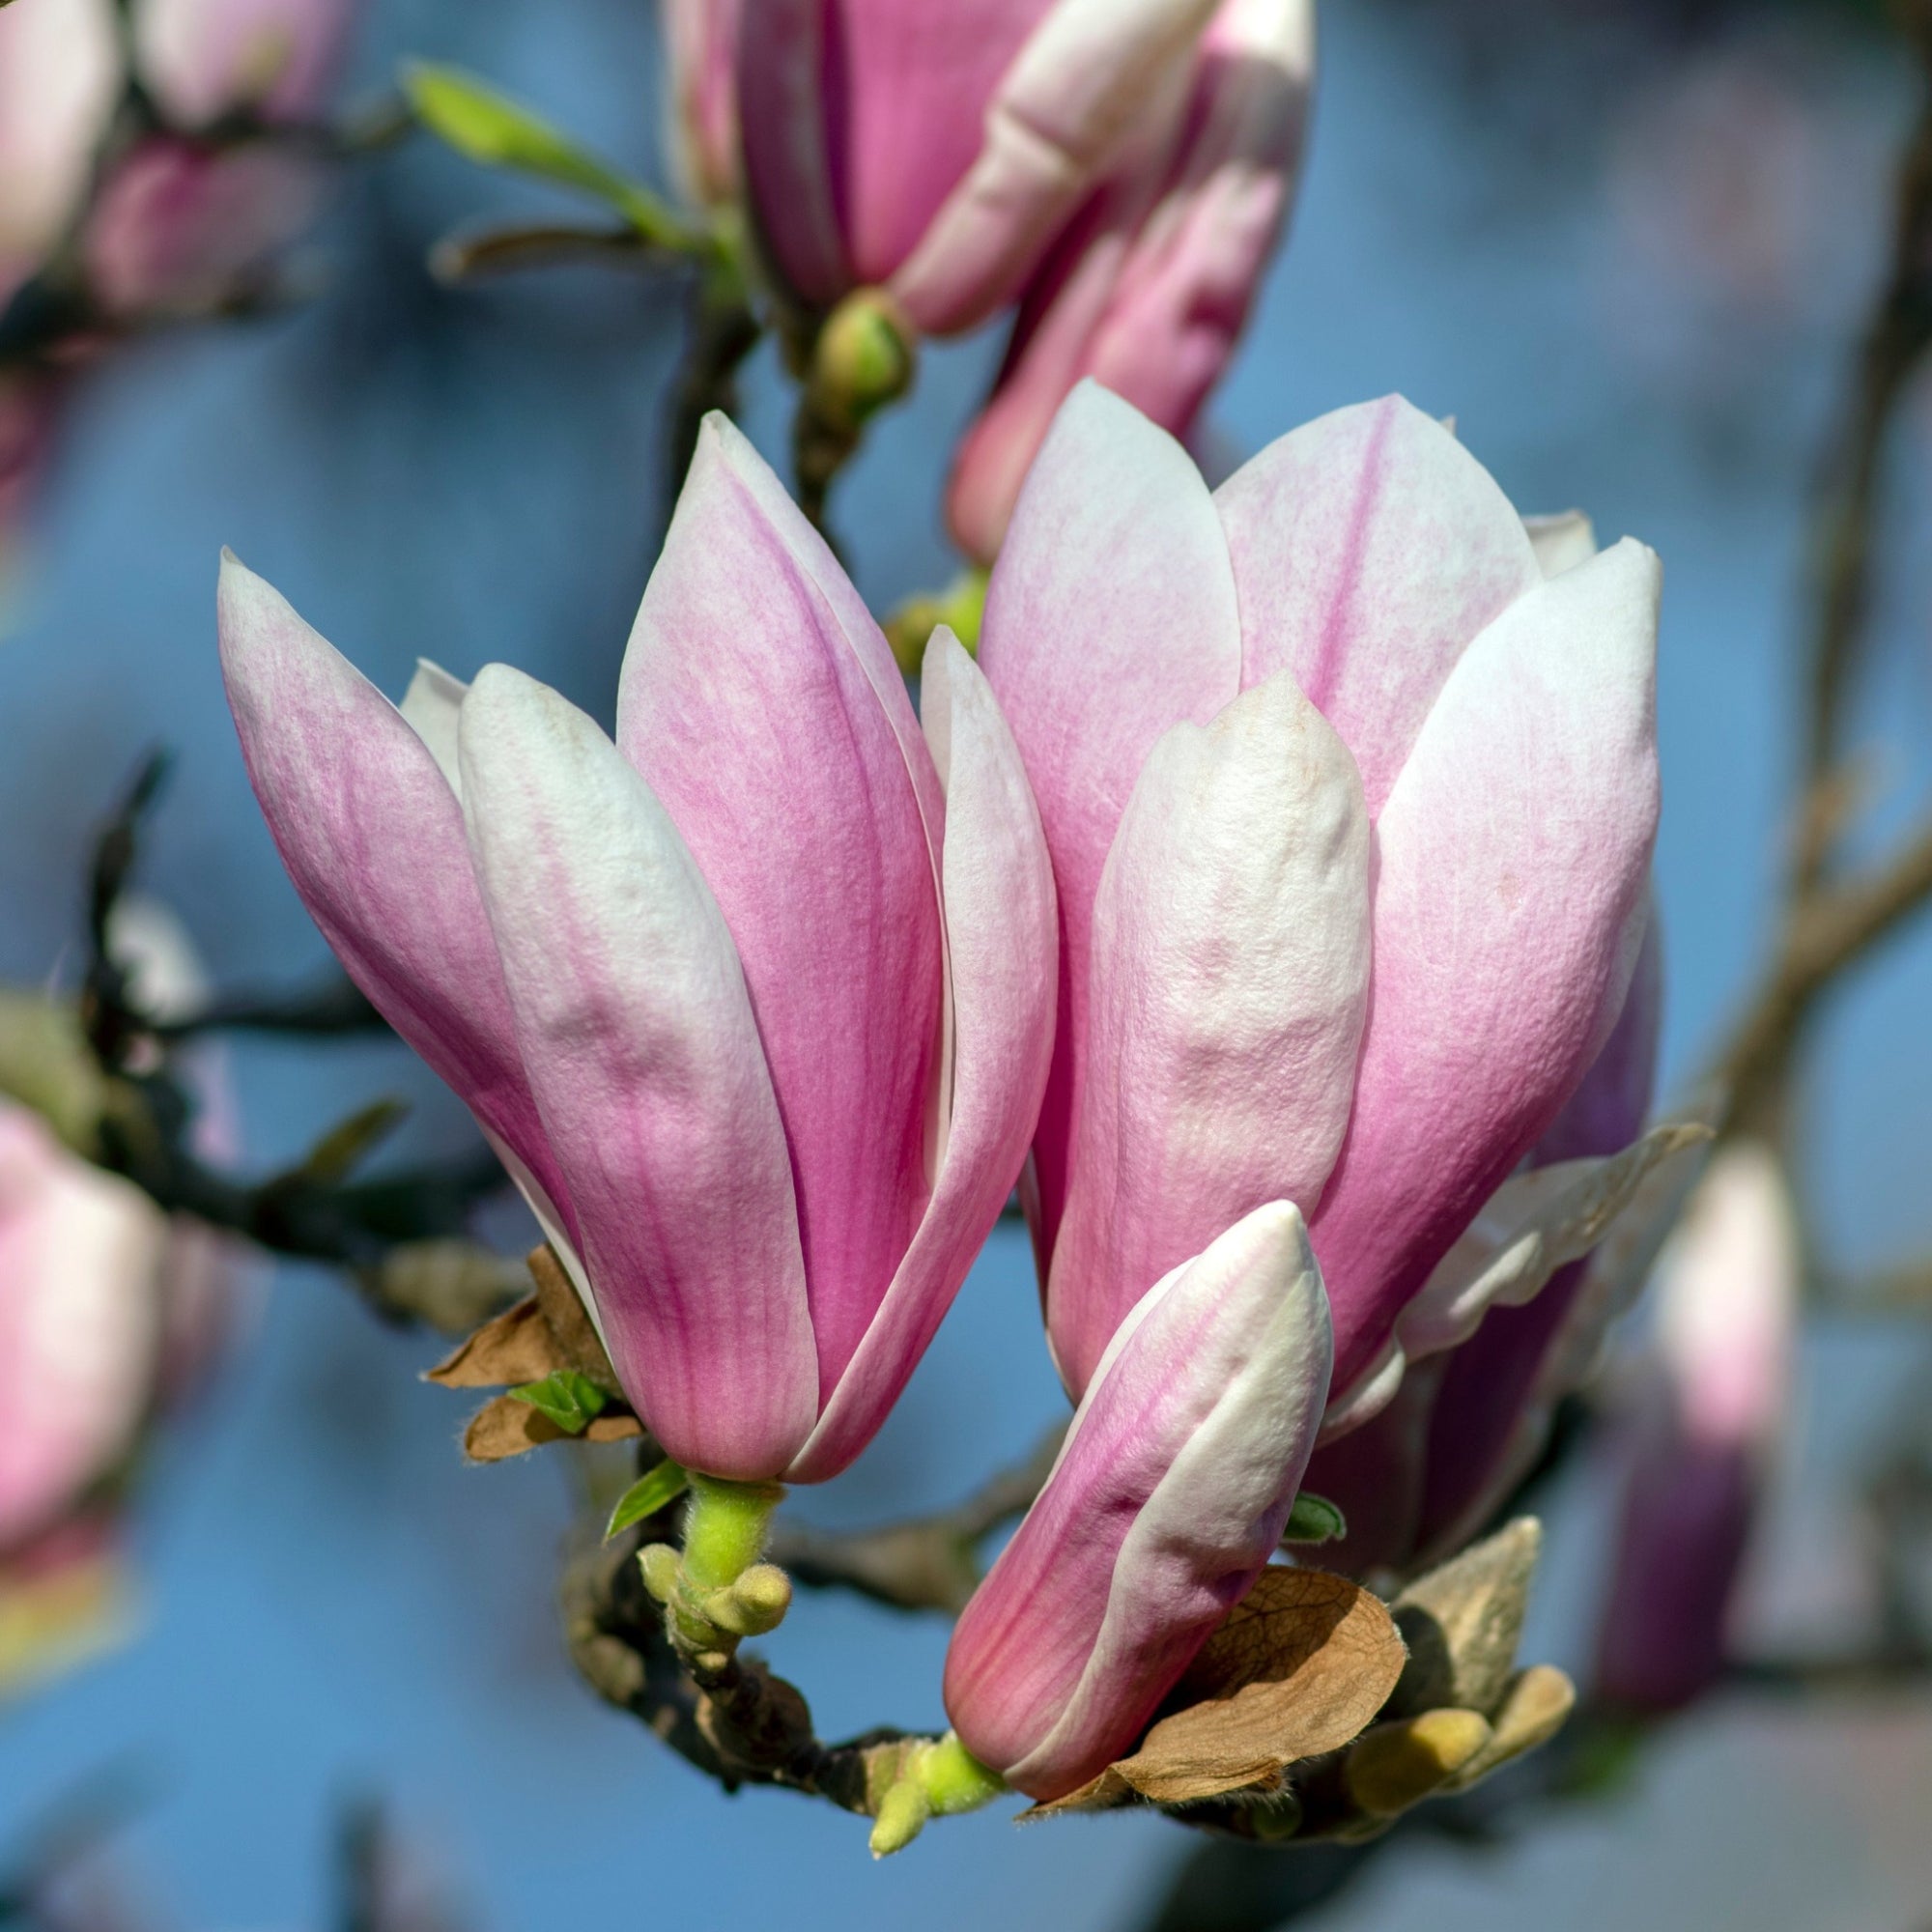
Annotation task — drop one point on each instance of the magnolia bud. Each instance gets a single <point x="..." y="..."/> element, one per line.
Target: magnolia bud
<point x="866" y="357"/>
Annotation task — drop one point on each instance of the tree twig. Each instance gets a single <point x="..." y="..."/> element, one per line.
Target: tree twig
<point x="927" y="1563"/>
<point x="1831" y="921"/>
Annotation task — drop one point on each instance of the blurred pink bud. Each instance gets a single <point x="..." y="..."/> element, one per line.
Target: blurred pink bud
<point x="1170" y="1495"/>
<point x="1147" y="289"/>
<point x="937" y="151"/>
<point x="1220" y="699"/>
<point x="1727" y="1297"/>
<point x="82" y="1260"/>
<point x="59" y="70"/>
<point x="203" y="59"/>
<point x="755" y="1003"/>
<point x="179" y="227"/>
<point x="700" y="46"/>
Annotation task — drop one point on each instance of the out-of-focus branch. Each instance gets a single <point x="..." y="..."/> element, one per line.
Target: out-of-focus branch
<point x="332" y="1004"/>
<point x="508" y="248"/>
<point x="928" y="1563"/>
<point x="1895" y="342"/>
<point x="401" y="1234"/>
<point x="735" y="1722"/>
<point x="1829" y="924"/>
<point x="1833" y="920"/>
<point x="723" y="332"/>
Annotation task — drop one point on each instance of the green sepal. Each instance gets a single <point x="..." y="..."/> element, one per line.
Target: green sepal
<point x="491" y="128"/>
<point x="571" y="1401"/>
<point x="1314" y="1520"/>
<point x="648" y="1495"/>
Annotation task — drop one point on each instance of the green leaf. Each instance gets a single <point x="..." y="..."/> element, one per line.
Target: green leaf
<point x="571" y="1401"/>
<point x="648" y="1495"/>
<point x="345" y="1148"/>
<point x="1314" y="1520"/>
<point x="492" y="129"/>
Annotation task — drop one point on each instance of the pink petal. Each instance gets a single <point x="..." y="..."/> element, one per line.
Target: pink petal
<point x="206" y="58"/>
<point x="1230" y="978"/>
<point x="373" y="839"/>
<point x="701" y="50"/>
<point x="81" y="1261"/>
<point x="1368" y="548"/>
<point x="59" y="70"/>
<point x="909" y="98"/>
<point x="1488" y="1381"/>
<point x="1168" y="1498"/>
<point x="633" y="1019"/>
<point x="1111" y="616"/>
<point x="786" y="128"/>
<point x="1000" y="932"/>
<point x="762" y="706"/>
<point x="1148" y="289"/>
<point x="1512" y="861"/>
<point x="1089" y="74"/>
<point x="177" y="225"/>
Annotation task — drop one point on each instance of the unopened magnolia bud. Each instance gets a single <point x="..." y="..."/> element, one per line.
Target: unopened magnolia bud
<point x="659" y="1565"/>
<point x="866" y="357"/>
<point x="1393" y="1765"/>
<point x="756" y="1603"/>
<point x="1533" y="1712"/>
<point x="902" y="1814"/>
<point x="960" y="606"/>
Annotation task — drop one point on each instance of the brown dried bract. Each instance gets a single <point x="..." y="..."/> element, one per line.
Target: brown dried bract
<point x="518" y="1347"/>
<point x="1303" y="1663"/>
<point x="507" y="1427"/>
<point x="543" y="1333"/>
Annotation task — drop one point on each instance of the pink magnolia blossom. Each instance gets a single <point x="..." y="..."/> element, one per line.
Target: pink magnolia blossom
<point x="757" y="1003"/>
<point x="1727" y="1301"/>
<point x="936" y="152"/>
<point x="1148" y="288"/>
<point x="59" y="72"/>
<point x="82" y="1260"/>
<point x="111" y="1312"/>
<point x="1169" y="1496"/>
<point x="702" y="49"/>
<point x="1350" y="809"/>
<point x="180" y="222"/>
<point x="179" y="226"/>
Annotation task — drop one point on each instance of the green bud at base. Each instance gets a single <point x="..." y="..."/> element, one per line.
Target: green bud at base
<point x="864" y="357"/>
<point x="724" y="1526"/>
<point x="927" y="1777"/>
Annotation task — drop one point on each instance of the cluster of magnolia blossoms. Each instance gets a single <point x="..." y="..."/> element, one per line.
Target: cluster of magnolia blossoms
<point x="120" y="206"/>
<point x="1331" y="902"/>
<point x="1114" y="171"/>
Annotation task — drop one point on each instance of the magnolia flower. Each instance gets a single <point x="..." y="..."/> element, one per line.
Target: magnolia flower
<point x="59" y="70"/>
<point x="701" y="49"/>
<point x="755" y="1003"/>
<point x="110" y="1315"/>
<point x="1728" y="1297"/>
<point x="1169" y="1493"/>
<point x="1147" y="289"/>
<point x="1350" y="808"/>
<point x="175" y="212"/>
<point x="936" y="152"/>
<point x="180" y="222"/>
